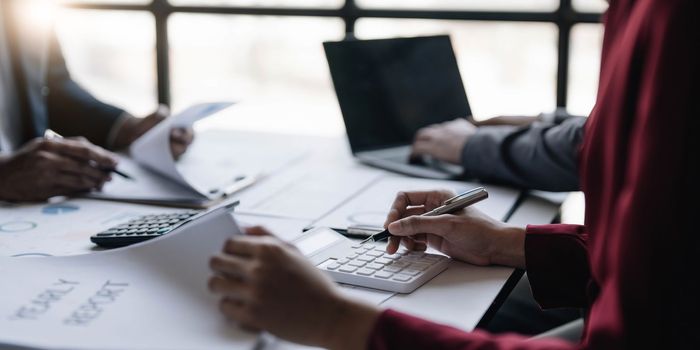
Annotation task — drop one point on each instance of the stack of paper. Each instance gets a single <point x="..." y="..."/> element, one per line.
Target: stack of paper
<point x="148" y="296"/>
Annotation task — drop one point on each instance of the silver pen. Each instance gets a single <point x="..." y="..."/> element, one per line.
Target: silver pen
<point x="451" y="205"/>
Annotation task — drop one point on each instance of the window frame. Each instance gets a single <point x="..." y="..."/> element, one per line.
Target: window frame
<point x="564" y="17"/>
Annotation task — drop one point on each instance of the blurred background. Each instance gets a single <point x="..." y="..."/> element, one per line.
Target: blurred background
<point x="516" y="57"/>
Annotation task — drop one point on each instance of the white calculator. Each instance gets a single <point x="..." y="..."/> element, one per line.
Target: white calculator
<point x="368" y="265"/>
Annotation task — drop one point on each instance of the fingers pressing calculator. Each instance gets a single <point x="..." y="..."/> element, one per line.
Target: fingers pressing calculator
<point x="368" y="265"/>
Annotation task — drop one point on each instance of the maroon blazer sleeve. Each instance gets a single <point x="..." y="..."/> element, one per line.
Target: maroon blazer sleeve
<point x="395" y="330"/>
<point x="557" y="265"/>
<point x="556" y="259"/>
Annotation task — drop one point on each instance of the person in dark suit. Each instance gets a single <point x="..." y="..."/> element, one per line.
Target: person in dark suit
<point x="37" y="93"/>
<point x="526" y="152"/>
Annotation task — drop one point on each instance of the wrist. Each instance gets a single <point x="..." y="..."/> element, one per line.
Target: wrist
<point x="352" y="323"/>
<point x="123" y="132"/>
<point x="508" y="247"/>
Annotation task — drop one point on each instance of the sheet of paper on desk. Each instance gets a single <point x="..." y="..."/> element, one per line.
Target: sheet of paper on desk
<point x="213" y="161"/>
<point x="62" y="227"/>
<point x="307" y="191"/>
<point x="217" y="157"/>
<point x="148" y="296"/>
<point x="152" y="150"/>
<point x="145" y="184"/>
<point x="371" y="207"/>
<point x="284" y="228"/>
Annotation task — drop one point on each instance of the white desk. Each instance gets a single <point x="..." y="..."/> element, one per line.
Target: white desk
<point x="459" y="297"/>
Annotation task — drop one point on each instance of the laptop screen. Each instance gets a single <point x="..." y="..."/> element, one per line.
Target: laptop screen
<point x="390" y="88"/>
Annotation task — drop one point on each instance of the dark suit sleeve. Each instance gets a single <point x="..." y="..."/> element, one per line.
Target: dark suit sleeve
<point x="542" y="156"/>
<point x="72" y="110"/>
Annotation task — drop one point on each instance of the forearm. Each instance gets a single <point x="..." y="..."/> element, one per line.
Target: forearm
<point x="352" y="325"/>
<point x="396" y="330"/>
<point x="73" y="111"/>
<point x="508" y="247"/>
<point x="540" y="156"/>
<point x="4" y="183"/>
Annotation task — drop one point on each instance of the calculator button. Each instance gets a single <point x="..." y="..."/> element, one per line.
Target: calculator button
<point x="402" y="278"/>
<point x="361" y="251"/>
<point x="356" y="246"/>
<point x="369" y="246"/>
<point x="391" y="269"/>
<point x="410" y="258"/>
<point x="333" y="266"/>
<point x="375" y="253"/>
<point x="400" y="264"/>
<point x="374" y="266"/>
<point x="347" y="269"/>
<point x="356" y="263"/>
<point x="383" y="261"/>
<point x="383" y="274"/>
<point x="420" y="266"/>
<point x="343" y="261"/>
<point x="352" y="256"/>
<point x="365" y="272"/>
<point x="392" y="256"/>
<point x="410" y="272"/>
<point x="365" y="258"/>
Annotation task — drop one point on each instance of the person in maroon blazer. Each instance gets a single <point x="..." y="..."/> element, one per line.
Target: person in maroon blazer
<point x="633" y="266"/>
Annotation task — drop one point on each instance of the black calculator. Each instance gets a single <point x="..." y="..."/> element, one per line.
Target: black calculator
<point x="142" y="229"/>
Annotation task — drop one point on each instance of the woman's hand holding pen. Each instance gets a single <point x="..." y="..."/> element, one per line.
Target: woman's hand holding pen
<point x="468" y="235"/>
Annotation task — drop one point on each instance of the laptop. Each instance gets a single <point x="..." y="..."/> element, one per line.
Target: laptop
<point x="390" y="88"/>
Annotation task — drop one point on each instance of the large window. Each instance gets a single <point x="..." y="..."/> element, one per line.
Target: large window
<point x="516" y="57"/>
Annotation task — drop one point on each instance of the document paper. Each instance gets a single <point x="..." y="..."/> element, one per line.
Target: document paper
<point x="151" y="295"/>
<point x="152" y="150"/>
<point x="370" y="207"/>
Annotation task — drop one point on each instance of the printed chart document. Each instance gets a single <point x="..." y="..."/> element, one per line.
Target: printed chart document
<point x="152" y="149"/>
<point x="307" y="191"/>
<point x="215" y="166"/>
<point x="370" y="207"/>
<point x="151" y="295"/>
<point x="62" y="227"/>
<point x="155" y="176"/>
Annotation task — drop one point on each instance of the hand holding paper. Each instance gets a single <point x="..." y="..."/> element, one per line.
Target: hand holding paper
<point x="154" y="292"/>
<point x="153" y="149"/>
<point x="134" y="128"/>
